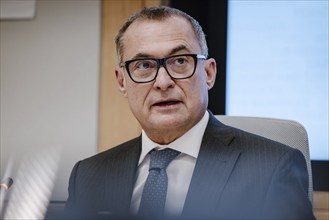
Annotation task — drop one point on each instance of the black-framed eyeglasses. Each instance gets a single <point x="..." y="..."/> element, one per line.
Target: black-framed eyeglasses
<point x="145" y="70"/>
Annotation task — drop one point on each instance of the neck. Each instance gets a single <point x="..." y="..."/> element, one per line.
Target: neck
<point x="164" y="136"/>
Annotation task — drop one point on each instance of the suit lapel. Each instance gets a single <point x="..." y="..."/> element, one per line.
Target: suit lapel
<point x="212" y="170"/>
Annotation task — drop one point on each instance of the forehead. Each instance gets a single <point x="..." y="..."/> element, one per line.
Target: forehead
<point x="159" y="37"/>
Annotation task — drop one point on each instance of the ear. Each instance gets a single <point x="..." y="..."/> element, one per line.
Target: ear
<point x="211" y="71"/>
<point x="121" y="81"/>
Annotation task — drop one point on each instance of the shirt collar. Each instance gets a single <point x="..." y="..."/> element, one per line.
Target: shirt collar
<point x="188" y="144"/>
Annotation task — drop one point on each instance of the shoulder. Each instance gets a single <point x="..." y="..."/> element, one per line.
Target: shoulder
<point x="248" y="143"/>
<point x="132" y="146"/>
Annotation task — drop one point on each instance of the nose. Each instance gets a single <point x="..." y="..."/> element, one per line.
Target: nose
<point x="163" y="80"/>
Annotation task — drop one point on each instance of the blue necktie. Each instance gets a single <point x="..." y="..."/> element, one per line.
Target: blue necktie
<point x="155" y="189"/>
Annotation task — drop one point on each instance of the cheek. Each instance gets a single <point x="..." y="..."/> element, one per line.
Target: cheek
<point x="199" y="90"/>
<point x="136" y="97"/>
<point x="133" y="97"/>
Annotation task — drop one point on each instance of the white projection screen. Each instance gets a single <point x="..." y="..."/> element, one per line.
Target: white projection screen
<point x="277" y="64"/>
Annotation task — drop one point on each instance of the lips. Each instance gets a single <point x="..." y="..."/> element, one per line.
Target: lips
<point x="167" y="102"/>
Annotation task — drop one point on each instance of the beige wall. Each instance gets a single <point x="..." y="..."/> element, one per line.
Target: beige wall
<point x="321" y="205"/>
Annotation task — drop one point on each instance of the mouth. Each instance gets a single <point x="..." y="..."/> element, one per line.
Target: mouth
<point x="167" y="103"/>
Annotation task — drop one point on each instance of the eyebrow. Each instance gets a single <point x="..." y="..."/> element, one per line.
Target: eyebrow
<point x="177" y="49"/>
<point x="173" y="51"/>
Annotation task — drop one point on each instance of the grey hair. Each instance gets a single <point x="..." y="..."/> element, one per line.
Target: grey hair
<point x="159" y="13"/>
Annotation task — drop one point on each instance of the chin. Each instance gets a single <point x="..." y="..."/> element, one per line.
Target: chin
<point x="169" y="121"/>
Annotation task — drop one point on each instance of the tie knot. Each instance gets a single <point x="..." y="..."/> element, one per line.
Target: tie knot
<point x="161" y="158"/>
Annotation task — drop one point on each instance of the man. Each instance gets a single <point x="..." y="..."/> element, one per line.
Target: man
<point x="214" y="171"/>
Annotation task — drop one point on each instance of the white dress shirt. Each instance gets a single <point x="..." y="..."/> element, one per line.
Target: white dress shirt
<point x="179" y="171"/>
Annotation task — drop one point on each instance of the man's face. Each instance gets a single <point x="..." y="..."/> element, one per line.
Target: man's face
<point x="166" y="108"/>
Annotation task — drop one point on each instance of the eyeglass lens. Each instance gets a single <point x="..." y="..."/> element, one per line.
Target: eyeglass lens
<point x="178" y="67"/>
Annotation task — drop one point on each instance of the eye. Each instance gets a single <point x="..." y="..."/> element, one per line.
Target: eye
<point x="180" y="61"/>
<point x="144" y="65"/>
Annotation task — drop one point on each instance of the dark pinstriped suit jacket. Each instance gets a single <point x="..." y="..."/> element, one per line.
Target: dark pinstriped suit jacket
<point x="237" y="175"/>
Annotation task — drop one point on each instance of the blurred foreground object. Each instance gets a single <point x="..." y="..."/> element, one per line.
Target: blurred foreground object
<point x="33" y="187"/>
<point x="6" y="183"/>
